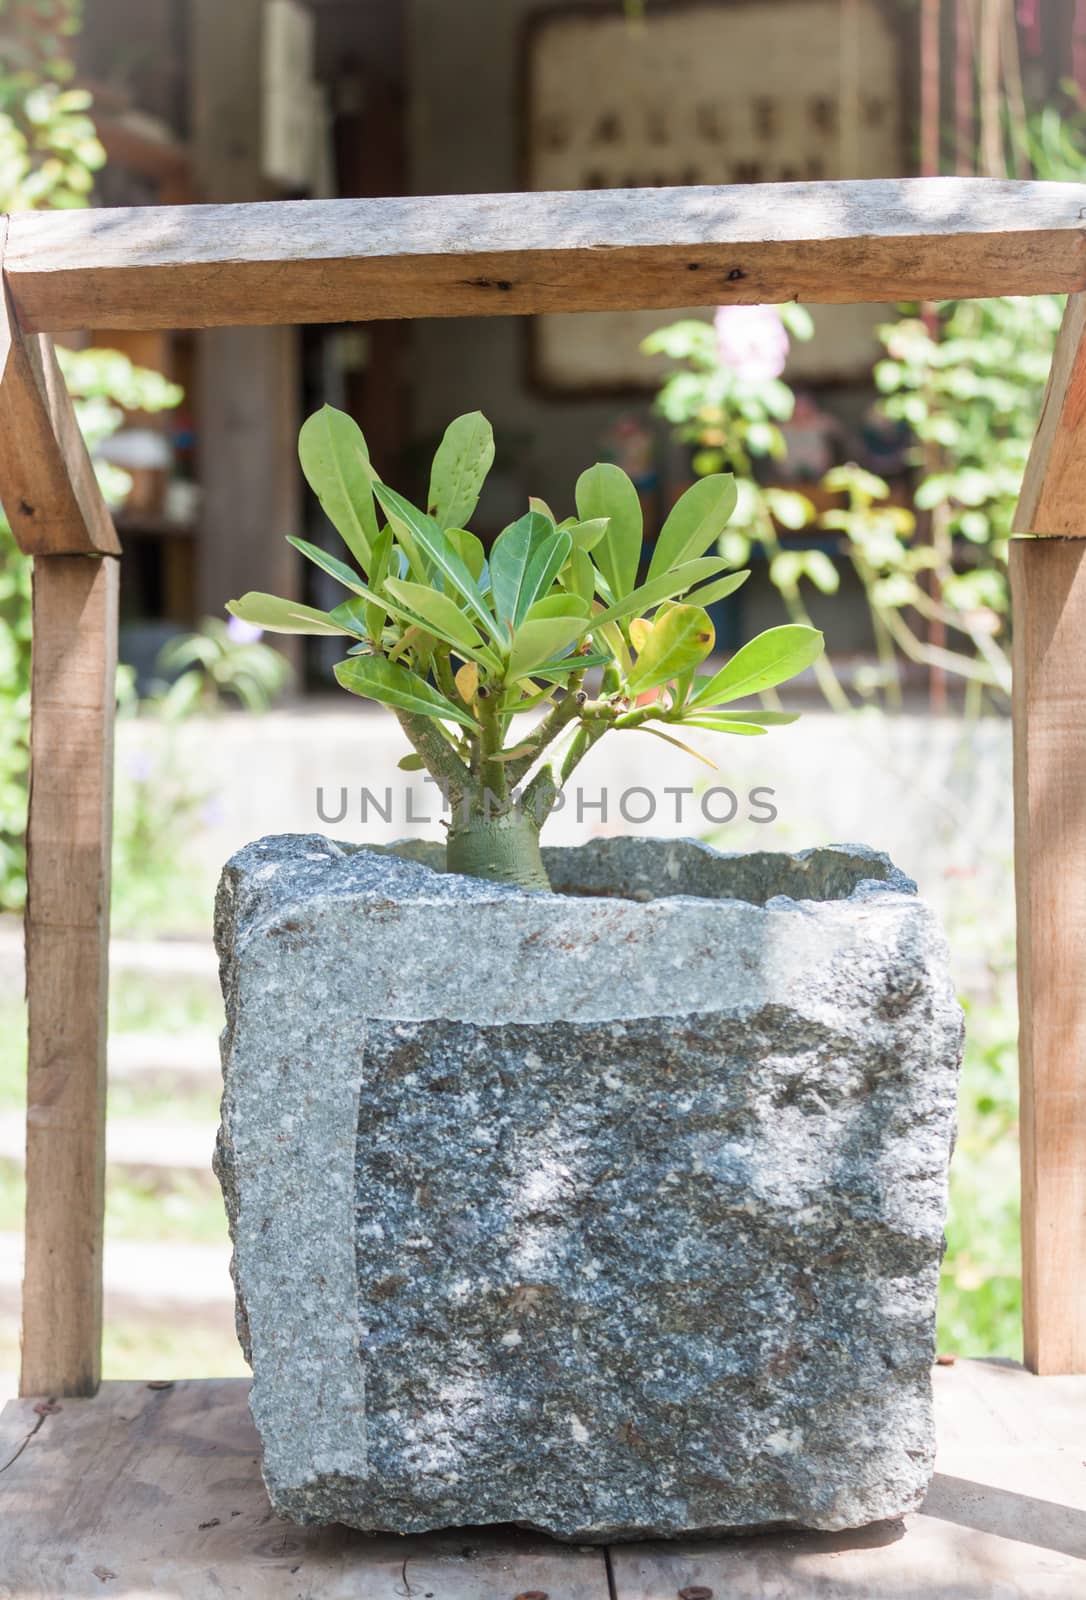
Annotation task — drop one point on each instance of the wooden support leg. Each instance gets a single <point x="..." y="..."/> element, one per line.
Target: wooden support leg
<point x="67" y="938"/>
<point x="1048" y="578"/>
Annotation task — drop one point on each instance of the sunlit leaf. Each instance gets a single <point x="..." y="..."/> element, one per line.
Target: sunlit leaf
<point x="536" y="642"/>
<point x="469" y="549"/>
<point x="461" y="463"/>
<point x="511" y="558"/>
<point x="605" y="491"/>
<point x="467" y="682"/>
<point x="335" y="568"/>
<point x="680" y="638"/>
<point x="770" y="659"/>
<point x="658" y="733"/>
<point x="432" y="543"/>
<point x="695" y="521"/>
<point x="392" y="685"/>
<point x="665" y="587"/>
<point x="336" y="464"/>
<point x="722" y="726"/>
<point x="710" y="593"/>
<point x="439" y="611"/>
<point x="285" y="616"/>
<point x="586" y="535"/>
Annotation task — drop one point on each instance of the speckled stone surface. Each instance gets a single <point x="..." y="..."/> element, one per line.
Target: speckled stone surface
<point x="615" y="1213"/>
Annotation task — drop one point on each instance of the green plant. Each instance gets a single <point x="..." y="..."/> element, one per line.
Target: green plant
<point x="221" y="661"/>
<point x="460" y="646"/>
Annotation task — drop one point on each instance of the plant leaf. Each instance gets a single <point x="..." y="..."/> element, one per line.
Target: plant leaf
<point x="712" y="592"/>
<point x="424" y="532"/>
<point x="379" y="679"/>
<point x="664" y="587"/>
<point x="548" y="558"/>
<point x="582" y="575"/>
<point x="555" y="670"/>
<point x="467" y="681"/>
<point x="536" y="504"/>
<point x="695" y="521"/>
<point x="336" y="462"/>
<point x="463" y="459"/>
<point x="331" y="564"/>
<point x="746" y="728"/>
<point x="439" y="612"/>
<point x="536" y="642"/>
<point x="680" y="638"/>
<point x="587" y="535"/>
<point x="285" y="616"/>
<point x="605" y="491"/>
<point x="411" y="763"/>
<point x="469" y="549"/>
<point x="659" y="733"/>
<point x="560" y="605"/>
<point x="762" y="719"/>
<point x="771" y="658"/>
<point x="511" y="557"/>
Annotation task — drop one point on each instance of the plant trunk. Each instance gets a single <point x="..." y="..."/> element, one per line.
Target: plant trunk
<point x="502" y="847"/>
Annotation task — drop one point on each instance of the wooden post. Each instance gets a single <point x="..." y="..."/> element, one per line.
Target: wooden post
<point x="1048" y="580"/>
<point x="67" y="948"/>
<point x="1048" y="588"/>
<point x="57" y="515"/>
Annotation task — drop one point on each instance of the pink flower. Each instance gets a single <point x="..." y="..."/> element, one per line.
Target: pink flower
<point x="752" y="341"/>
<point x="240" y="632"/>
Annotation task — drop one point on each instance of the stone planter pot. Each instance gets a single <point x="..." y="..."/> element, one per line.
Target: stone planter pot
<point x="613" y="1212"/>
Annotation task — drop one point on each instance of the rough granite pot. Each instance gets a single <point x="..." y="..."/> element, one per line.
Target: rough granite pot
<point x="616" y="1211"/>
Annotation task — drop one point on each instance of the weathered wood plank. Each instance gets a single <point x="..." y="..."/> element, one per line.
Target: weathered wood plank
<point x="47" y="482"/>
<point x="488" y="254"/>
<point x="1048" y="584"/>
<point x="67" y="932"/>
<point x="140" y="1490"/>
<point x="1006" y="1515"/>
<point x="1054" y="486"/>
<point x="161" y="1490"/>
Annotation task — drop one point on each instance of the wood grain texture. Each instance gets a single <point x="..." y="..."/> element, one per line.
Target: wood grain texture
<point x="1054" y="486"/>
<point x="489" y="254"/>
<point x="1048" y="586"/>
<point x="1006" y="1515"/>
<point x="161" y="1490"/>
<point x="67" y="933"/>
<point x="47" y="482"/>
<point x="142" y="1490"/>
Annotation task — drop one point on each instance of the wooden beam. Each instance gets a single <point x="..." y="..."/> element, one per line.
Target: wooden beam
<point x="486" y="254"/>
<point x="67" y="934"/>
<point x="1053" y="493"/>
<point x="47" y="482"/>
<point x="1048" y="580"/>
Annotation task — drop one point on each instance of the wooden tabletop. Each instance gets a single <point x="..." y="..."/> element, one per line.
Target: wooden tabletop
<point x="156" y="1490"/>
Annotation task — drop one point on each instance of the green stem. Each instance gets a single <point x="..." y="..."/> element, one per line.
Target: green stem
<point x="559" y="717"/>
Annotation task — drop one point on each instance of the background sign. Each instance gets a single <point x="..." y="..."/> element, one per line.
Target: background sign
<point x="781" y="90"/>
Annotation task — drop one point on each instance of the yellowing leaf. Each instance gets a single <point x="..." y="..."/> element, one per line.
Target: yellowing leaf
<point x="467" y="682"/>
<point x="640" y="628"/>
<point x="680" y="638"/>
